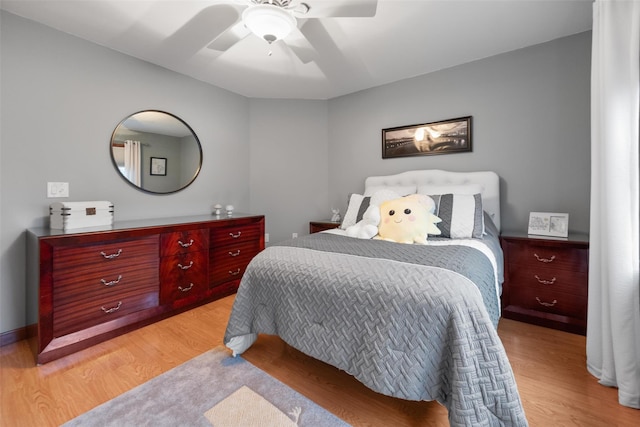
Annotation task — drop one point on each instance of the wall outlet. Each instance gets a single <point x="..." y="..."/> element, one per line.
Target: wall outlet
<point x="294" y="235"/>
<point x="57" y="189"/>
<point x="266" y="237"/>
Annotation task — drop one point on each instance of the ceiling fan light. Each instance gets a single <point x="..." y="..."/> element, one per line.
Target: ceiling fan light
<point x="269" y="22"/>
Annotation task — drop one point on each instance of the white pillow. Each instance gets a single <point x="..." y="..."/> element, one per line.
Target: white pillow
<point x="430" y="189"/>
<point x="402" y="190"/>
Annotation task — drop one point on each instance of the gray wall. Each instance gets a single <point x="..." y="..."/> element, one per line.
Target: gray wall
<point x="62" y="97"/>
<point x="531" y="125"/>
<point x="290" y="160"/>
<point x="289" y="164"/>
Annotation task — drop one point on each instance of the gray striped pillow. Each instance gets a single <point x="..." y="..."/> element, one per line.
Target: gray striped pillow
<point x="461" y="215"/>
<point x="356" y="207"/>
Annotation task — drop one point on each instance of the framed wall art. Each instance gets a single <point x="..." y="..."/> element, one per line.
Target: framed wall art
<point x="443" y="137"/>
<point x="158" y="166"/>
<point x="549" y="224"/>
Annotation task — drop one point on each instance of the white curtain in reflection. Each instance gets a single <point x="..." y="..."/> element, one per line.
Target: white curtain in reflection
<point x="133" y="161"/>
<point x="613" y="328"/>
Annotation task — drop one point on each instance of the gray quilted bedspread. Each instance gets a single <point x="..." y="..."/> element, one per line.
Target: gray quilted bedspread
<point x="403" y="329"/>
<point x="468" y="261"/>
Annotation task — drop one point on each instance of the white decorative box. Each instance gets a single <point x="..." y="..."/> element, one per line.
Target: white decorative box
<point x="71" y="215"/>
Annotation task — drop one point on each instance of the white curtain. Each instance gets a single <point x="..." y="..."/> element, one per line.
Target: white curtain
<point x="613" y="328"/>
<point x="133" y="161"/>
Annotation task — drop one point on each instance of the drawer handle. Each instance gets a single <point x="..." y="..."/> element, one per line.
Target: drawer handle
<point x="545" y="282"/>
<point x="235" y="236"/>
<point x="236" y="253"/>
<point x="234" y="273"/>
<point x="185" y="245"/>
<point x="113" y="282"/>
<point x="112" y="309"/>
<point x="544" y="259"/>
<point x="185" y="267"/>
<point x="186" y="289"/>
<point x="547" y="304"/>
<point x="111" y="256"/>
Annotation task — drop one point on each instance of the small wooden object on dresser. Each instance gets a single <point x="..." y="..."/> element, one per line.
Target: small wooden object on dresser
<point x="546" y="280"/>
<point x="317" y="226"/>
<point x="94" y="284"/>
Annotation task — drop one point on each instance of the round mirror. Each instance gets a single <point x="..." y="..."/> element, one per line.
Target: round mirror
<point x="156" y="152"/>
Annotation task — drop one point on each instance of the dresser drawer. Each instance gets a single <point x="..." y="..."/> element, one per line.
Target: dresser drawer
<point x="95" y="283"/>
<point x="179" y="242"/>
<point x="233" y="235"/>
<point x="183" y="276"/>
<point x="229" y="262"/>
<point x="80" y="310"/>
<point x="105" y="256"/>
<point x="547" y="278"/>
<point x="555" y="257"/>
<point x="113" y="273"/>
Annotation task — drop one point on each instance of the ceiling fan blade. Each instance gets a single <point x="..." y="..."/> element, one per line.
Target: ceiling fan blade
<point x="341" y="68"/>
<point x="199" y="31"/>
<point x="341" y="8"/>
<point x="231" y="36"/>
<point x="300" y="46"/>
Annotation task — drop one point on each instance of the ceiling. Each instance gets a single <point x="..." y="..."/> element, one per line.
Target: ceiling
<point x="404" y="38"/>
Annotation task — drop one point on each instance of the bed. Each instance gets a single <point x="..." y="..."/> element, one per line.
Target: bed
<point x="411" y="321"/>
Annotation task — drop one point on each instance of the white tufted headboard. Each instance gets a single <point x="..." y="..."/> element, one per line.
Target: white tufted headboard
<point x="488" y="181"/>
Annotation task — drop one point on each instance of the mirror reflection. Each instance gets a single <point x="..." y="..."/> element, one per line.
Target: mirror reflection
<point x="156" y="152"/>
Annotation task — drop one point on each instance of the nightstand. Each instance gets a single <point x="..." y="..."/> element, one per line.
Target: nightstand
<point x="546" y="280"/>
<point x="317" y="226"/>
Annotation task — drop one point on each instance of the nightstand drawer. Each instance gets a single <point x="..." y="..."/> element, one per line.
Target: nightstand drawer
<point x="550" y="302"/>
<point x="547" y="278"/>
<point x="318" y="226"/>
<point x="532" y="254"/>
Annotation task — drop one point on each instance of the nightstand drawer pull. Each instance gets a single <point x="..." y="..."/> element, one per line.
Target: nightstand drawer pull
<point x="113" y="282"/>
<point x="185" y="245"/>
<point x="545" y="282"/>
<point x="112" y="309"/>
<point x="111" y="256"/>
<point x="235" y="236"/>
<point x="186" y="289"/>
<point x="547" y="304"/>
<point x="234" y="273"/>
<point x="236" y="253"/>
<point x="185" y="267"/>
<point x="544" y="259"/>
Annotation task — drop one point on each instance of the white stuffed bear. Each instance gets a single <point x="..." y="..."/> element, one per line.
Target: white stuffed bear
<point x="367" y="227"/>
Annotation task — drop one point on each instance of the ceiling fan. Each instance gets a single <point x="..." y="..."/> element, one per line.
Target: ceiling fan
<point x="284" y="20"/>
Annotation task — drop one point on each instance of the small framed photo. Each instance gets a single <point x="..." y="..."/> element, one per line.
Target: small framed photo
<point x="549" y="224"/>
<point x="158" y="166"/>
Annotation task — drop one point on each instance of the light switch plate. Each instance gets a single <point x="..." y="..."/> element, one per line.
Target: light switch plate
<point x="57" y="189"/>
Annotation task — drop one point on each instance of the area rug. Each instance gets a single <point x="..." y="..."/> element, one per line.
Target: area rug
<point x="213" y="389"/>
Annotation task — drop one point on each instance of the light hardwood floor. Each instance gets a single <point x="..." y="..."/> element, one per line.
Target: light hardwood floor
<point x="549" y="367"/>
